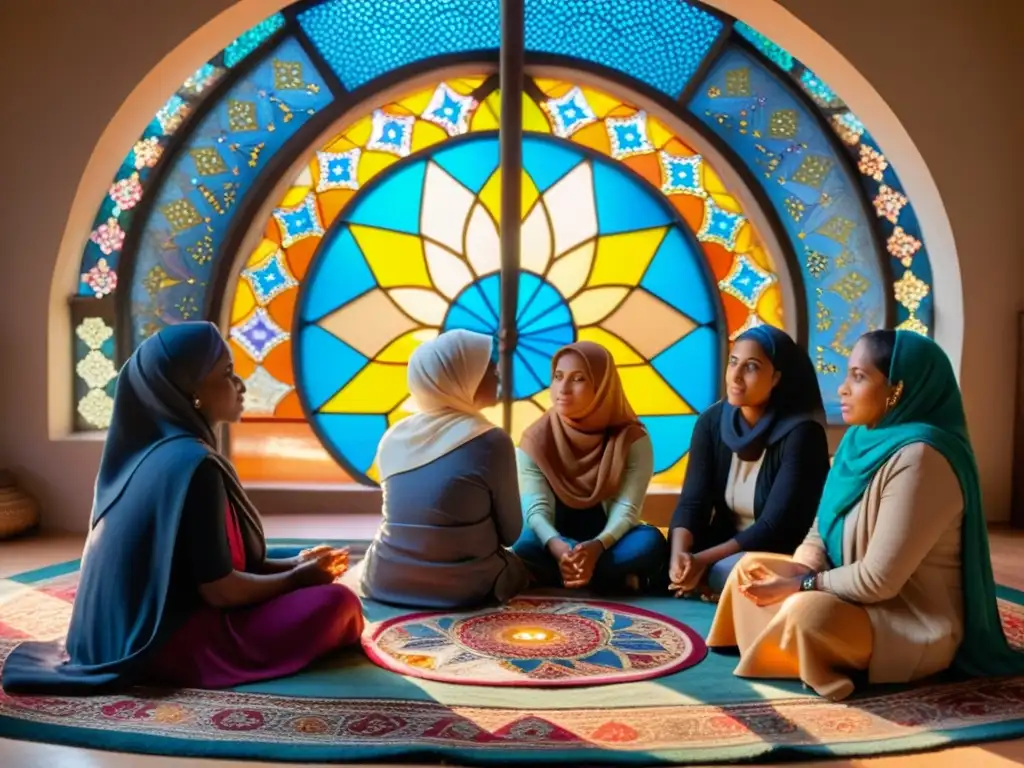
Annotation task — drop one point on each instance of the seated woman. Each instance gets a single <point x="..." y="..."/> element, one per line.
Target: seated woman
<point x="894" y="579"/>
<point x="451" y="503"/>
<point x="758" y="461"/>
<point x="176" y="587"/>
<point x="584" y="468"/>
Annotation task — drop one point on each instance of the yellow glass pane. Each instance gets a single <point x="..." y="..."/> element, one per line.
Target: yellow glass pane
<point x="647" y="323"/>
<point x="419" y="101"/>
<point x="493" y="102"/>
<point x="369" y="323"/>
<point x="553" y="88"/>
<point x="759" y="255"/>
<point x="600" y="101"/>
<point x="769" y="308"/>
<point x="674" y="476"/>
<point x="744" y="238"/>
<point x="524" y="414"/>
<point x="543" y="399"/>
<point x="490" y="195"/>
<point x="534" y="119"/>
<point x="658" y="132"/>
<point x="402" y="348"/>
<point x="360" y="131"/>
<point x="425" y="134"/>
<point x="244" y="303"/>
<point x="304" y="178"/>
<point x="376" y="389"/>
<point x="339" y="144"/>
<point x="569" y="274"/>
<point x="623" y="259"/>
<point x="712" y="181"/>
<point x="293" y="197"/>
<point x="374" y="473"/>
<point x="622" y="353"/>
<point x="483" y="250"/>
<point x="483" y="119"/>
<point x="420" y="304"/>
<point x="535" y="251"/>
<point x="394" y="257"/>
<point x="596" y="304"/>
<point x="648" y="393"/>
<point x="450" y="273"/>
<point x="372" y="163"/>
<point x="262" y="252"/>
<point x="726" y="202"/>
<point x="466" y="85"/>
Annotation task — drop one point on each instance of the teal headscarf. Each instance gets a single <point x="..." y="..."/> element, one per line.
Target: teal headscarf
<point x="929" y="411"/>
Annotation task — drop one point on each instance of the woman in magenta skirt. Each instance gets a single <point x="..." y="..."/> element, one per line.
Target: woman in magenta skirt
<point x="176" y="586"/>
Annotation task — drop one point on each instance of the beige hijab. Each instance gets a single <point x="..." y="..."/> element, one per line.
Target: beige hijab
<point x="584" y="459"/>
<point x="444" y="375"/>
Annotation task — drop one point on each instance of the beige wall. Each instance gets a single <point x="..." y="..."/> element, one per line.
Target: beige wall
<point x="68" y="69"/>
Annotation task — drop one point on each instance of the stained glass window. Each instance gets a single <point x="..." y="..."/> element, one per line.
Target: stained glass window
<point x="659" y="42"/>
<point x="428" y="261"/>
<point x="95" y="372"/>
<point x="204" y="188"/>
<point x="789" y="152"/>
<point x="116" y="213"/>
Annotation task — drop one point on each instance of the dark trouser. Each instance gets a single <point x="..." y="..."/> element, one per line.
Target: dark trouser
<point x="718" y="530"/>
<point x="642" y="552"/>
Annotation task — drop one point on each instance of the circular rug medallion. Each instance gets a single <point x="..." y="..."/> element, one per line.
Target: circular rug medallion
<point x="536" y="642"/>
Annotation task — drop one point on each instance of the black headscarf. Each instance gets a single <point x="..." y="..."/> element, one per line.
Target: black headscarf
<point x="794" y="400"/>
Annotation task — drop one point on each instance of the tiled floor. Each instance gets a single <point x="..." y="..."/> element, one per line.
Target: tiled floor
<point x="17" y="556"/>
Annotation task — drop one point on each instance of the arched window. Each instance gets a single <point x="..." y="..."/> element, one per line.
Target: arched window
<point x="329" y="202"/>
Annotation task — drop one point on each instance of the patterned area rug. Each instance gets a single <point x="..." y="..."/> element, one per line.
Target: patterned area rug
<point x="539" y="642"/>
<point x="701" y="715"/>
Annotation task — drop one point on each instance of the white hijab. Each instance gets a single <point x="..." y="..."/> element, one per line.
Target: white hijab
<point x="444" y="375"/>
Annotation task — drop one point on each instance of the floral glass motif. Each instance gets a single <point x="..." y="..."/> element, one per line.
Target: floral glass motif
<point x="569" y="113"/>
<point x="263" y="392"/>
<point x="192" y="212"/>
<point x="95" y="372"/>
<point x="259" y="335"/>
<point x="115" y="216"/>
<point x="270" y="279"/>
<point x="299" y="222"/>
<point x="820" y="203"/>
<point x="746" y="281"/>
<point x="682" y="175"/>
<point x="392" y="133"/>
<point x="337" y="170"/>
<point x="588" y="271"/>
<point x="720" y="226"/>
<point x="450" y="110"/>
<point x="261" y="438"/>
<point x="629" y="135"/>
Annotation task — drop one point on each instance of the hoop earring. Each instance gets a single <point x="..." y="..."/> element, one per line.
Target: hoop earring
<point x="893" y="400"/>
<point x="197" y="404"/>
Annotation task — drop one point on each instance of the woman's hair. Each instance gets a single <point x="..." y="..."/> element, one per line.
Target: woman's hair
<point x="880" y="345"/>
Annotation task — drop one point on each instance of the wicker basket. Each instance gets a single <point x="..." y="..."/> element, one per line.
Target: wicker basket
<point x="18" y="511"/>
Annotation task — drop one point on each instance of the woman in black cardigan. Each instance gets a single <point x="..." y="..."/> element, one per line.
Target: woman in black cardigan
<point x="758" y="462"/>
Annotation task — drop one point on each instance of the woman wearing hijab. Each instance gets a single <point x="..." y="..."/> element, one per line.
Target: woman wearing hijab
<point x="757" y="464"/>
<point x="584" y="468"/>
<point x="451" y="503"/>
<point x="176" y="587"/>
<point x="894" y="578"/>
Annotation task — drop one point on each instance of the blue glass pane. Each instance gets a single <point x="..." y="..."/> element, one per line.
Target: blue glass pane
<point x="395" y="203"/>
<point x="685" y="366"/>
<point x="820" y="204"/>
<point x="470" y="167"/>
<point x="659" y="42"/>
<point x="475" y="301"/>
<point x="210" y="177"/>
<point x="671" y="436"/>
<point x="326" y="364"/>
<point x="529" y="372"/>
<point x="775" y="53"/>
<point x="250" y="40"/>
<point x="544" y="307"/>
<point x="363" y="39"/>
<point x="673" y="270"/>
<point x="353" y="437"/>
<point x="625" y="203"/>
<point x="459" y="317"/>
<point x="340" y="275"/>
<point x="547" y="162"/>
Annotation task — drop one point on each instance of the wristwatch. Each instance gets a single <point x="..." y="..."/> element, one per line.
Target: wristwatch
<point x="809" y="583"/>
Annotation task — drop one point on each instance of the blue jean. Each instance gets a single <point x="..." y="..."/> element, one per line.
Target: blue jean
<point x="642" y="552"/>
<point x="718" y="573"/>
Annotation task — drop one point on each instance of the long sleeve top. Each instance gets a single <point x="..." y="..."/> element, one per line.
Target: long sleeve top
<point x="623" y="509"/>
<point x="788" y="487"/>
